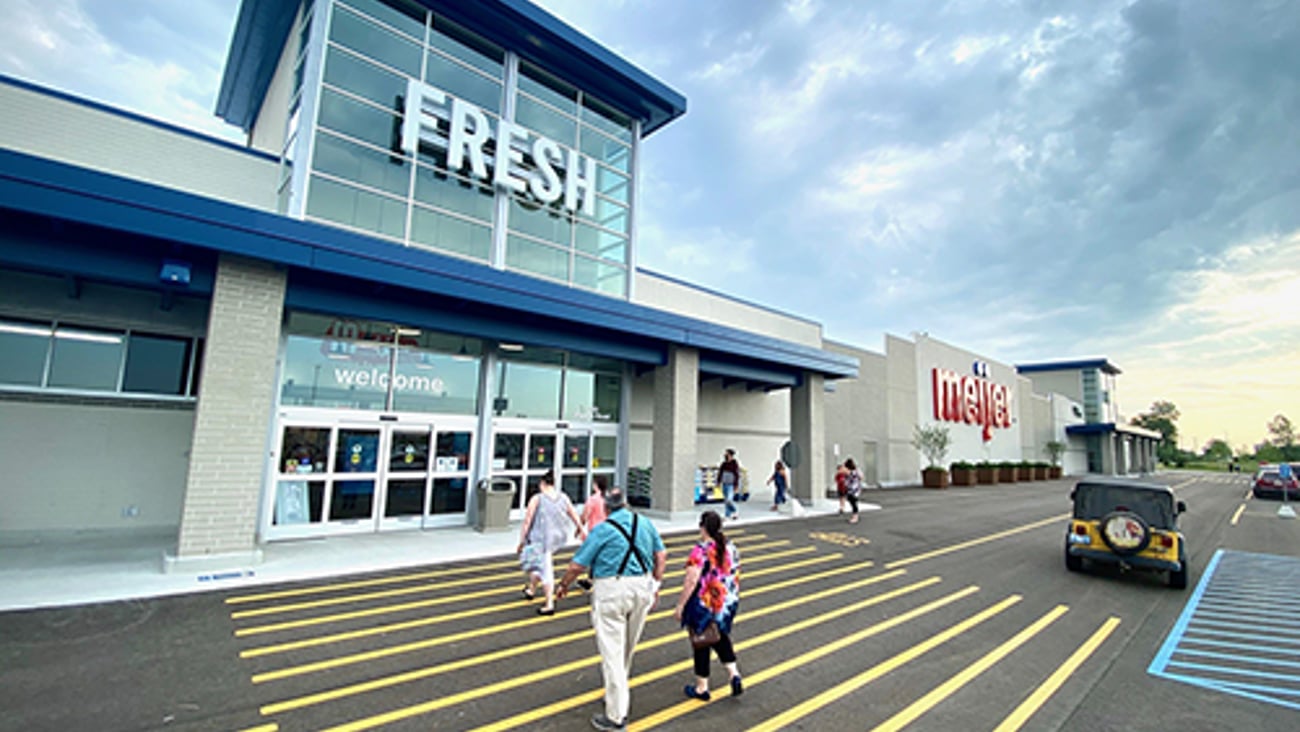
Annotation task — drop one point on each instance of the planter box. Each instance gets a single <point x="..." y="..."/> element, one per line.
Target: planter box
<point x="1007" y="475"/>
<point x="934" y="478"/>
<point x="1040" y="472"/>
<point x="1024" y="474"/>
<point x="963" y="477"/>
<point x="1054" y="473"/>
<point x="986" y="476"/>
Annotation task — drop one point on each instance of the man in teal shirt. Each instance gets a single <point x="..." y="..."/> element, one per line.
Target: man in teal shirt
<point x="626" y="559"/>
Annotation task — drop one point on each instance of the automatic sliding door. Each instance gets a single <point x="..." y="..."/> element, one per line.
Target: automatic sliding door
<point x="453" y="448"/>
<point x="406" y="480"/>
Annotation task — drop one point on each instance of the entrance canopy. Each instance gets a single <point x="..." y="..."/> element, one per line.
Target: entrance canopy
<point x="137" y="227"/>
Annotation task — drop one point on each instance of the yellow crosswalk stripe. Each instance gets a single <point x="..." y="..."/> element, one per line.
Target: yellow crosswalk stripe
<point x="566" y="668"/>
<point x="817" y="702"/>
<point x="966" y="675"/>
<point x="975" y="542"/>
<point x="437" y="601"/>
<point x="387" y="651"/>
<point x="1022" y="713"/>
<point x="670" y="542"/>
<point x="532" y="716"/>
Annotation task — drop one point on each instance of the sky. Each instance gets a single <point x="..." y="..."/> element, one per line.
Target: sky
<point x="1032" y="181"/>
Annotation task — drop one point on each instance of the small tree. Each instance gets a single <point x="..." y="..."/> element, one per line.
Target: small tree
<point x="1055" y="449"/>
<point x="932" y="442"/>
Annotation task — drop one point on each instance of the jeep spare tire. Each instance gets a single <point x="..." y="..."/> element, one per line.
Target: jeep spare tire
<point x="1125" y="532"/>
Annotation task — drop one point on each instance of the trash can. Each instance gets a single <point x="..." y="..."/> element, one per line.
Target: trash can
<point x="494" y="498"/>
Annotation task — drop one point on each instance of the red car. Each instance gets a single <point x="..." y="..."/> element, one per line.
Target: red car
<point x="1269" y="483"/>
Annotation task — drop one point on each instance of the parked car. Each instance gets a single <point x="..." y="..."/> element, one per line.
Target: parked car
<point x="1129" y="524"/>
<point x="1269" y="483"/>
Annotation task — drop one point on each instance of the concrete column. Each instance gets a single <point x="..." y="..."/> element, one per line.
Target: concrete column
<point x="228" y="456"/>
<point x="1107" y="454"/>
<point x="808" y="431"/>
<point x="676" y="418"/>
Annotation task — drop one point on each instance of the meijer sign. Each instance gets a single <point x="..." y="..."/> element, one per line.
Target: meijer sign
<point x="970" y="399"/>
<point x="556" y="170"/>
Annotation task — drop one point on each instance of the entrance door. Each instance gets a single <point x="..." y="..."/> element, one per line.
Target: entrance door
<point x="406" y="477"/>
<point x="523" y="452"/>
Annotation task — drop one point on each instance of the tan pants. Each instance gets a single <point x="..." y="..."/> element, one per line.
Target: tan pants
<point x="619" y="606"/>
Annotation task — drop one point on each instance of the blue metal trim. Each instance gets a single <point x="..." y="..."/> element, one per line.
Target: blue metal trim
<point x="61" y="191"/>
<point x="134" y="117"/>
<point x="725" y="296"/>
<point x="752" y="374"/>
<point x="264" y="25"/>
<point x="255" y="47"/>
<point x="1091" y="363"/>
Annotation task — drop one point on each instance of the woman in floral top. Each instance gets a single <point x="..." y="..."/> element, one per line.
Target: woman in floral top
<point x="711" y="593"/>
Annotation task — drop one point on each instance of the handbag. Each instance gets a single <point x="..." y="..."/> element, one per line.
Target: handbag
<point x="530" y="559"/>
<point x="705" y="638"/>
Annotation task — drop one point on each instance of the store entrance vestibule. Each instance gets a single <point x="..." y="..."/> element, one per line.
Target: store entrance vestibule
<point x="349" y="473"/>
<point x="523" y="450"/>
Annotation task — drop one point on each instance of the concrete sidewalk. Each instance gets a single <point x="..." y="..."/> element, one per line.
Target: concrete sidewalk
<point x="90" y="568"/>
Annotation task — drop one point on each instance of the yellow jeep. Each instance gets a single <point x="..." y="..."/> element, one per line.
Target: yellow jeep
<point x="1127" y="523"/>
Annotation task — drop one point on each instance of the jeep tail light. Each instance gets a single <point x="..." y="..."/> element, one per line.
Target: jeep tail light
<point x="1081" y="529"/>
<point x="1164" y="541"/>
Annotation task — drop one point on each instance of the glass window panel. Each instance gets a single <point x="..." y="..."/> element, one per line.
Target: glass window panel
<point x="409" y="450"/>
<point x="304" y="450"/>
<point x="457" y="445"/>
<point x="508" y="451"/>
<point x="604" y="451"/>
<point x="23" y="347"/>
<point x="525" y="255"/>
<point x="399" y="15"/>
<point x="197" y="369"/>
<point x="600" y="243"/>
<point x="389" y="48"/>
<point x="591" y="397"/>
<point x="547" y="88"/>
<point x="611" y="215"/>
<point x="450" y="234"/>
<point x="577" y="451"/>
<point x="529" y="390"/>
<point x="364" y="79"/>
<point x="437" y="188"/>
<point x="449" y="495"/>
<point x="404" y="497"/>
<point x="607" y="151"/>
<point x="468" y="47"/>
<point x="612" y="184"/>
<point x="351" y="500"/>
<point x="323" y="372"/>
<point x="546" y="122"/>
<point x="601" y="276"/>
<point x="574" y="486"/>
<point x="541" y="452"/>
<point x="357" y="451"/>
<point x="583" y="362"/>
<point x="156" y="364"/>
<point x="435" y="382"/>
<point x="363" y="165"/>
<point x="542" y="222"/>
<point x="298" y="502"/>
<point x="532" y="486"/>
<point x="461" y="82"/>
<point x="606" y="118"/>
<point x="86" y="359"/>
<point x="350" y="206"/>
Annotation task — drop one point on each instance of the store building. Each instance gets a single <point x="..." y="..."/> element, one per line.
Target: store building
<point x="418" y="276"/>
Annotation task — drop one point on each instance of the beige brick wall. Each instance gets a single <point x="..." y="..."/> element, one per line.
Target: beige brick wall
<point x="236" y="394"/>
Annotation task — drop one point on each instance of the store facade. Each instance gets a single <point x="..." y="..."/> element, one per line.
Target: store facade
<point x="419" y="276"/>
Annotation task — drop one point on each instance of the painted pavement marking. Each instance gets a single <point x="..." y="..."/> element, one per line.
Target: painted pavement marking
<point x="1255" y="659"/>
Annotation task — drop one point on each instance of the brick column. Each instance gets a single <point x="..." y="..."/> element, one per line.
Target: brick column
<point x="808" y="431"/>
<point x="236" y="394"/>
<point x="676" y="417"/>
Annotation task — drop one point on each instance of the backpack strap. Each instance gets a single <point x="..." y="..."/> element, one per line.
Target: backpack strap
<point x="631" y="547"/>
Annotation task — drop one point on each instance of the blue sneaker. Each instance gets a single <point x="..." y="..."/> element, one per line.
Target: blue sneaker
<point x="694" y="694"/>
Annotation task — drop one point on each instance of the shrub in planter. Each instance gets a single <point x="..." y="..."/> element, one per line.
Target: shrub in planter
<point x="1008" y="472"/>
<point x="963" y="473"/>
<point x="986" y="472"/>
<point x="1024" y="470"/>
<point x="1055" y="449"/>
<point x="934" y="478"/>
<point x="1040" y="470"/>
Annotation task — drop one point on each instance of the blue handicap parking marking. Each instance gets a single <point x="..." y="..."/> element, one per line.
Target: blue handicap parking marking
<point x="1237" y="634"/>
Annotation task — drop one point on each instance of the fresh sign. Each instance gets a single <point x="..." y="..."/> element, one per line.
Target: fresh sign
<point x="520" y="160"/>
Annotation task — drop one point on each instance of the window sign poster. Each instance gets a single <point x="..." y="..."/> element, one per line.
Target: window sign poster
<point x="291" y="506"/>
<point x="447" y="464"/>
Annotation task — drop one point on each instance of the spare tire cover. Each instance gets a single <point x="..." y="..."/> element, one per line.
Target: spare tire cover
<point x="1125" y="532"/>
